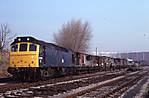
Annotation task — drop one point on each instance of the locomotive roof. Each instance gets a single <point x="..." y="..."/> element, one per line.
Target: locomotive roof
<point x="33" y="40"/>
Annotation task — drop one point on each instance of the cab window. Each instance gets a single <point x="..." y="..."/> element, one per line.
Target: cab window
<point x="14" y="48"/>
<point x="23" y="47"/>
<point x="32" y="47"/>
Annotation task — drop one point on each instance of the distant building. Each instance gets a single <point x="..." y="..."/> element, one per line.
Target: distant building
<point x="142" y="57"/>
<point x="109" y="54"/>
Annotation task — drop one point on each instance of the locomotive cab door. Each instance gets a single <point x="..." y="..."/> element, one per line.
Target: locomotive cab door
<point x="42" y="57"/>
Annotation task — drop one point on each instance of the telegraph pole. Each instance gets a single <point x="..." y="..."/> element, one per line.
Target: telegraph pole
<point x="96" y="51"/>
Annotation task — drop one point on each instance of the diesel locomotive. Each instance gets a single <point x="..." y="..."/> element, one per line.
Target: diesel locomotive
<point x="32" y="59"/>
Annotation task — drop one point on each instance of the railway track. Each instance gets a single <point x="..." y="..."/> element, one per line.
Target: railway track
<point x="113" y="89"/>
<point x="124" y="85"/>
<point x="49" y="88"/>
<point x="55" y="86"/>
<point x="9" y="80"/>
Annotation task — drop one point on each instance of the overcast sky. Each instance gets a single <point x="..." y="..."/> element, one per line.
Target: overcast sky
<point x="117" y="25"/>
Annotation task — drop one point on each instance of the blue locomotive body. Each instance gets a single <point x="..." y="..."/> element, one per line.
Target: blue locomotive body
<point x="54" y="56"/>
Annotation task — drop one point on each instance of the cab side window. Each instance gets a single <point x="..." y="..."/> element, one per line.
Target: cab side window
<point x="32" y="47"/>
<point x="14" y="48"/>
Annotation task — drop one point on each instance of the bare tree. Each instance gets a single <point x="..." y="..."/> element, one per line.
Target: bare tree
<point x="5" y="36"/>
<point x="74" y="35"/>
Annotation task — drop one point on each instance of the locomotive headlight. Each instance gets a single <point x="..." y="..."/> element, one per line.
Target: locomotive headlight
<point x="32" y="62"/>
<point x="19" y="39"/>
<point x="27" y="39"/>
<point x="12" y="62"/>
